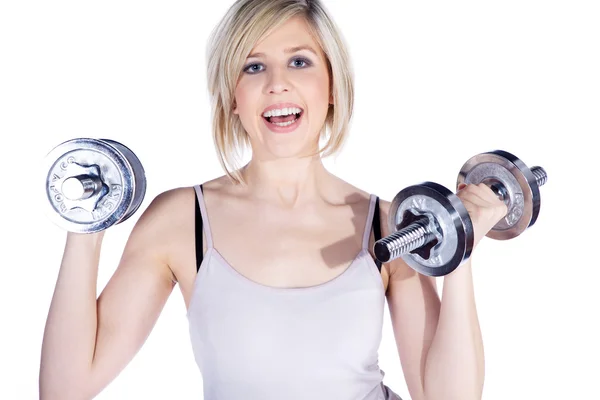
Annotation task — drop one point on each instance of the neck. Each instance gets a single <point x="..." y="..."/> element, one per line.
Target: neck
<point x="289" y="183"/>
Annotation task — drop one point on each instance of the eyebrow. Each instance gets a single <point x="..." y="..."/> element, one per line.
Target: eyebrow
<point x="288" y="50"/>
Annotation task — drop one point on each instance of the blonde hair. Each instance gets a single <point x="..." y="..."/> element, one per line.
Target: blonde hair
<point x="230" y="43"/>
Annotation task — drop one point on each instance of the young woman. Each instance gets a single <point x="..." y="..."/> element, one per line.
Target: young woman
<point x="274" y="258"/>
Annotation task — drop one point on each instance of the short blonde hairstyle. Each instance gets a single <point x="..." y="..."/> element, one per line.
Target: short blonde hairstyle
<point x="230" y="43"/>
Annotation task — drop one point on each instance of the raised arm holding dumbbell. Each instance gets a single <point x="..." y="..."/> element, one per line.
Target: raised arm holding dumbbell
<point x="92" y="185"/>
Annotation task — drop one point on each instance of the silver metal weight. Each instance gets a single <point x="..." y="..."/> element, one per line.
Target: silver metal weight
<point x="432" y="230"/>
<point x="92" y="184"/>
<point x="514" y="183"/>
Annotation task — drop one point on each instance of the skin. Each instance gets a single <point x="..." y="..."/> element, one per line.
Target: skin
<point x="317" y="221"/>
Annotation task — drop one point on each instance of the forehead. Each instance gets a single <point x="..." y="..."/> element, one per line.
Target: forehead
<point x="293" y="32"/>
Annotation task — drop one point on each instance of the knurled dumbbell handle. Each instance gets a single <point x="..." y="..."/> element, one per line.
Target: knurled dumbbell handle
<point x="418" y="233"/>
<point x="540" y="175"/>
<point x="405" y="240"/>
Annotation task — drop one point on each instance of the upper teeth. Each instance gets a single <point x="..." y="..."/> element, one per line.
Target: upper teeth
<point x="282" y="111"/>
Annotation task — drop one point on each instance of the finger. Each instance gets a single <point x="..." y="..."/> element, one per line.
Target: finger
<point x="475" y="196"/>
<point x="487" y="192"/>
<point x="472" y="198"/>
<point x="484" y="192"/>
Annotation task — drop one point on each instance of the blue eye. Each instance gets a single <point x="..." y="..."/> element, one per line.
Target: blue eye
<point x="303" y="60"/>
<point x="254" y="67"/>
<point x="250" y="68"/>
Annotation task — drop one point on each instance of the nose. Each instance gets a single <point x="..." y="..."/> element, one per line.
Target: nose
<point x="277" y="81"/>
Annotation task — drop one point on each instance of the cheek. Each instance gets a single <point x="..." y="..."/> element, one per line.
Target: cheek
<point x="318" y="88"/>
<point x="248" y="88"/>
<point x="246" y="98"/>
<point x="241" y="95"/>
<point x="318" y="93"/>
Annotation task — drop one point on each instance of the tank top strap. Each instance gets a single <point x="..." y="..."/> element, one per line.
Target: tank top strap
<point x="204" y="217"/>
<point x="369" y="222"/>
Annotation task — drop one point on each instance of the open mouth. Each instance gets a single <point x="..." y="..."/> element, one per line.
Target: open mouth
<point x="284" y="120"/>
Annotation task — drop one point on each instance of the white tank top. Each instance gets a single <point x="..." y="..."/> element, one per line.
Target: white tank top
<point x="257" y="342"/>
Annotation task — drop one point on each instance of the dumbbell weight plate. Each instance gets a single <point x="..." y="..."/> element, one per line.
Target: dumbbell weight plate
<point x="118" y="177"/>
<point x="139" y="175"/>
<point x="452" y="226"/>
<point x="522" y="191"/>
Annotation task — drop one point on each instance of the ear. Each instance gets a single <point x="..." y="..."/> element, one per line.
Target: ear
<point x="235" y="110"/>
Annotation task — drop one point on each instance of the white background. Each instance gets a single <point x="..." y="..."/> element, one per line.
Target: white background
<point x="436" y="82"/>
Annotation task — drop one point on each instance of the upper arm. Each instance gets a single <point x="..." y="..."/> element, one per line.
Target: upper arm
<point x="414" y="307"/>
<point x="135" y="295"/>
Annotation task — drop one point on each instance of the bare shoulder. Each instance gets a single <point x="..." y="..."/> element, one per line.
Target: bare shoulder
<point x="160" y="225"/>
<point x="221" y="188"/>
<point x="347" y="193"/>
<point x="170" y="206"/>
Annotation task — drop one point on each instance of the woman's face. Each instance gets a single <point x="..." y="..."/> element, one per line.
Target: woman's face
<point x="283" y="95"/>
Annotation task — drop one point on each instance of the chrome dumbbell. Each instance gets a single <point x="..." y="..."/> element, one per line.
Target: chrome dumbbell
<point x="92" y="184"/>
<point x="432" y="230"/>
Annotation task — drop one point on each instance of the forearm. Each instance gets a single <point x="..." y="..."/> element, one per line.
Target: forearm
<point x="70" y="333"/>
<point x="454" y="366"/>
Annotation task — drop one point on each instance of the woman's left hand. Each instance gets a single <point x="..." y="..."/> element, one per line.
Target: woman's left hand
<point x="484" y="207"/>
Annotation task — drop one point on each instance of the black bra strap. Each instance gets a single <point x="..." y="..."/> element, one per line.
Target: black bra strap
<point x="377" y="229"/>
<point x="198" y="230"/>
